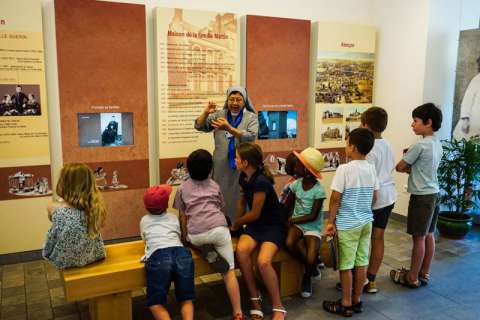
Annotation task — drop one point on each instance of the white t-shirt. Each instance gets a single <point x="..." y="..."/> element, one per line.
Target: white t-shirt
<point x="160" y="231"/>
<point x="356" y="181"/>
<point x="381" y="156"/>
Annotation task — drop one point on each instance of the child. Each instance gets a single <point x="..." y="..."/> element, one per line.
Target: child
<point x="200" y="204"/>
<point x="74" y="238"/>
<point x="290" y="163"/>
<point x="381" y="156"/>
<point x="421" y="162"/>
<point x="166" y="259"/>
<point x="265" y="227"/>
<point x="353" y="192"/>
<point x="306" y="221"/>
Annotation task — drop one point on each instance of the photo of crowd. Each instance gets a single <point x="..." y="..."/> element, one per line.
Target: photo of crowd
<point x="20" y="100"/>
<point x="344" y="79"/>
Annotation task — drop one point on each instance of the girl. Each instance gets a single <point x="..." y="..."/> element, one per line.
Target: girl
<point x="74" y="238"/>
<point x="290" y="163"/>
<point x="306" y="199"/>
<point x="265" y="227"/>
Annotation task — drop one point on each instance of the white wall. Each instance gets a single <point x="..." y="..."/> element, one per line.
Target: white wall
<point x="399" y="75"/>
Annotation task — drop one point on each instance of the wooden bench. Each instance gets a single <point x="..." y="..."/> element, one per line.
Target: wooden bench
<point x="108" y="284"/>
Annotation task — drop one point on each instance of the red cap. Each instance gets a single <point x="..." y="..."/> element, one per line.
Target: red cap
<point x="156" y="197"/>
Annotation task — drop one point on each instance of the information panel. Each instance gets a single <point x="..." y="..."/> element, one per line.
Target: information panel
<point x="197" y="55"/>
<point x="101" y="51"/>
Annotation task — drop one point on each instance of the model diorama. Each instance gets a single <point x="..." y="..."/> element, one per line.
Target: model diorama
<point x="24" y="184"/>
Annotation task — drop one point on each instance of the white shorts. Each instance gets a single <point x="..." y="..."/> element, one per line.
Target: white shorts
<point x="220" y="238"/>
<point x="313" y="233"/>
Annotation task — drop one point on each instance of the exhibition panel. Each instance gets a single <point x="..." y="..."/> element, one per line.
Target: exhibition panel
<point x="101" y="52"/>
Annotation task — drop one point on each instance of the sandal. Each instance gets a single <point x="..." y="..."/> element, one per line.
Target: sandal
<point x="336" y="307"/>
<point x="282" y="310"/>
<point x="399" y="276"/>
<point x="357" y="307"/>
<point x="256" y="314"/>
<point x="424" y="278"/>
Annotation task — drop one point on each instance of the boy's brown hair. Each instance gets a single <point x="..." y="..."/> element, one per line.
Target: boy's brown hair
<point x="375" y="118"/>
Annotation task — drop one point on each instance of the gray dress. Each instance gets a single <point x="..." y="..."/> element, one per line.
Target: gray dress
<point x="226" y="177"/>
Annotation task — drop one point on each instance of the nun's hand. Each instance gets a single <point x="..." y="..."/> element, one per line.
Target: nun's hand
<point x="210" y="108"/>
<point x="221" y="124"/>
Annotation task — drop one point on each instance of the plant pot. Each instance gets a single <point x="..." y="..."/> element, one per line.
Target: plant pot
<point x="453" y="225"/>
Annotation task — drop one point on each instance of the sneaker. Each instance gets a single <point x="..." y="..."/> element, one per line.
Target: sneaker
<point x="218" y="263"/>
<point x="307" y="288"/>
<point x="316" y="273"/>
<point x="370" y="287"/>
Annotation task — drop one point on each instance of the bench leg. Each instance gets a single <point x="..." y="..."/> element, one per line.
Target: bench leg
<point x="290" y="276"/>
<point x="112" y="307"/>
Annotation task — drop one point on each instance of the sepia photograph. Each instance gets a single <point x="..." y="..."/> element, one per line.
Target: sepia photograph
<point x="344" y="77"/>
<point x="20" y="100"/>
<point x="331" y="132"/>
<point x="332" y="114"/>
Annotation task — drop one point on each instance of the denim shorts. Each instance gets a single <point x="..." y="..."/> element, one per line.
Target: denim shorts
<point x="167" y="265"/>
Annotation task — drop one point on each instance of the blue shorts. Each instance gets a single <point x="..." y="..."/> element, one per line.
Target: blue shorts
<point x="167" y="265"/>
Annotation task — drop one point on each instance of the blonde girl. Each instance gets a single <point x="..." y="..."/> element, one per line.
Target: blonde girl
<point x="74" y="238"/>
<point x="265" y="227"/>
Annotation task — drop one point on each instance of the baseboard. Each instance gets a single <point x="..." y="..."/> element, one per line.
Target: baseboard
<point x="26" y="256"/>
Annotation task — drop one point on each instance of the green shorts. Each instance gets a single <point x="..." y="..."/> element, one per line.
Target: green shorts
<point x="353" y="246"/>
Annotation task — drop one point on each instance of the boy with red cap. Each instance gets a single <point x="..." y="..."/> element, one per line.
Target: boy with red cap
<point x="166" y="259"/>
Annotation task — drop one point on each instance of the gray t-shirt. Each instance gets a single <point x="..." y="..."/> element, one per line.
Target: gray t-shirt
<point x="159" y="231"/>
<point x="424" y="157"/>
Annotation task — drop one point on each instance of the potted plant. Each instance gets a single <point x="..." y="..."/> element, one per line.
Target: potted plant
<point x="458" y="176"/>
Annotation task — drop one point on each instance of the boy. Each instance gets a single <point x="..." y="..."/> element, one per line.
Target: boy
<point x="421" y="161"/>
<point x="200" y="203"/>
<point x="353" y="192"/>
<point x="166" y="259"/>
<point x="381" y="156"/>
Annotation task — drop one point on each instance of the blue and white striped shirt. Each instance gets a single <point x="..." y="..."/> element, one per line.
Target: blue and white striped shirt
<point x="356" y="181"/>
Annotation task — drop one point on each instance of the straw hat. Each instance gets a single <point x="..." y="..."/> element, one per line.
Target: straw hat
<point x="312" y="159"/>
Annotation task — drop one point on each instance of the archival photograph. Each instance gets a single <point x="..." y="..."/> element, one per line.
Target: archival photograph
<point x="332" y="132"/>
<point x="105" y="129"/>
<point x="20" y="100"/>
<point x="332" y="114"/>
<point x="344" y="77"/>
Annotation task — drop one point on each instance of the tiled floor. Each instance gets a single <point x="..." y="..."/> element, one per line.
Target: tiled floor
<point x="33" y="290"/>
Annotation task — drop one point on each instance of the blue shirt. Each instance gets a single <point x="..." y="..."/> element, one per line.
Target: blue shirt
<point x="424" y="157"/>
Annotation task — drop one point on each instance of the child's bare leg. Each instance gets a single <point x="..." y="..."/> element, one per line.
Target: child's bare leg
<point x="360" y="275"/>
<point x="378" y="249"/>
<point x="269" y="276"/>
<point x="346" y="281"/>
<point x="233" y="290"/>
<point x="429" y="253"/>
<point x="293" y="240"/>
<point x="186" y="309"/>
<point x="312" y="248"/>
<point x="159" y="312"/>
<point x="245" y="247"/>
<point x="418" y="254"/>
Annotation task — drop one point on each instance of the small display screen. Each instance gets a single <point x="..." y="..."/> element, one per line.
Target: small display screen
<point x="277" y="124"/>
<point x="105" y="129"/>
